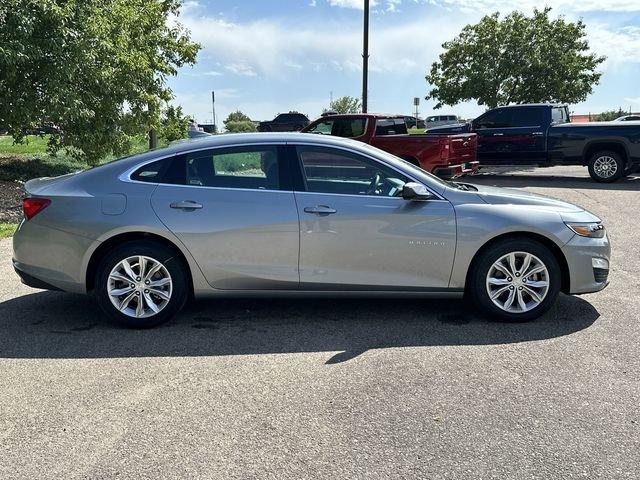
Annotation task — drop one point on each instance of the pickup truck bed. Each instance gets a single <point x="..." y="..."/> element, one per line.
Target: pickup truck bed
<point x="445" y="155"/>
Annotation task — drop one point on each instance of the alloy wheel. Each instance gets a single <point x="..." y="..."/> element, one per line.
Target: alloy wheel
<point x="139" y="286"/>
<point x="605" y="166"/>
<point x="517" y="282"/>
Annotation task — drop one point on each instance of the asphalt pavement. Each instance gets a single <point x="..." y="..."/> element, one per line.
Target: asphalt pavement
<point x="292" y="389"/>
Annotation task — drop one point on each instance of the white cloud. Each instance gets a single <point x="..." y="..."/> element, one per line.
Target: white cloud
<point x="634" y="101"/>
<point x="578" y="6"/>
<point x="621" y="46"/>
<point x="241" y="69"/>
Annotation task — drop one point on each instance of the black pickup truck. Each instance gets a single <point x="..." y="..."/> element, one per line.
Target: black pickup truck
<point x="541" y="134"/>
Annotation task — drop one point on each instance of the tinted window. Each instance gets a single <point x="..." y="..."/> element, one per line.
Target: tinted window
<point x="151" y="172"/>
<point x="391" y="126"/>
<point x="259" y="167"/>
<point x="341" y="127"/>
<point x="527" y="117"/>
<point x="328" y="170"/>
<point x="494" y="119"/>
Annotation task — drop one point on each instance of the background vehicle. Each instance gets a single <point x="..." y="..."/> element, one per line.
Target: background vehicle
<point x="540" y="134"/>
<point x="439" y="120"/>
<point x="284" y="122"/>
<point x="628" y="118"/>
<point x="413" y="122"/>
<point x="444" y="155"/>
<point x="258" y="214"/>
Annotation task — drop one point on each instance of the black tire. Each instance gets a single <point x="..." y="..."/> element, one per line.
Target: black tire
<point x="614" y="158"/>
<point x="477" y="280"/>
<point x="158" y="252"/>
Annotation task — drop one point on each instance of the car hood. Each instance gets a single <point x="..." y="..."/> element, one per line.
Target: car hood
<point x="507" y="196"/>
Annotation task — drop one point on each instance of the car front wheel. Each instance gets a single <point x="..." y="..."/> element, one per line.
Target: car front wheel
<point x="515" y="280"/>
<point x="141" y="285"/>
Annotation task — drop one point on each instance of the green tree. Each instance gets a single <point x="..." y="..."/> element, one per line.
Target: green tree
<point x="345" y="104"/>
<point x="609" y="115"/>
<point x="174" y="124"/>
<point x="97" y="69"/>
<point x="238" y="122"/>
<point x="517" y="59"/>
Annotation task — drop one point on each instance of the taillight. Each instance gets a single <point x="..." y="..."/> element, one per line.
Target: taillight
<point x="32" y="206"/>
<point x="445" y="148"/>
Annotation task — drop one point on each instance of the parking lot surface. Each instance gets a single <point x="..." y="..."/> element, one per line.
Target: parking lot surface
<point x="333" y="388"/>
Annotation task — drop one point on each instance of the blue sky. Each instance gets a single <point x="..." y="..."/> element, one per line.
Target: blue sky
<point x="270" y="56"/>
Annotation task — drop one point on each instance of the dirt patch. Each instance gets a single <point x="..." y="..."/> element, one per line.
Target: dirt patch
<point x="11" y="194"/>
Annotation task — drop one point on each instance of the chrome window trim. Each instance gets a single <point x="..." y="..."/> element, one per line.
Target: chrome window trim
<point x="126" y="175"/>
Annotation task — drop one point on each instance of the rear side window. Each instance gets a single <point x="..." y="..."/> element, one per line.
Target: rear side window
<point x="391" y="126"/>
<point x="527" y="117"/>
<point x="341" y="127"/>
<point x="259" y="167"/>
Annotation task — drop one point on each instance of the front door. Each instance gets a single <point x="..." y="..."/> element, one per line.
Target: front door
<point x="357" y="232"/>
<point x="512" y="136"/>
<point x="234" y="210"/>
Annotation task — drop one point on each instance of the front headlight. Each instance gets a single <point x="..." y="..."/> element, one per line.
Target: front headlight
<point x="592" y="230"/>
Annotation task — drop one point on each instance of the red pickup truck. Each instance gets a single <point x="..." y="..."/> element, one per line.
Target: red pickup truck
<point x="447" y="156"/>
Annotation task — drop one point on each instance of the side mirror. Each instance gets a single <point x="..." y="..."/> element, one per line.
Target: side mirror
<point x="416" y="191"/>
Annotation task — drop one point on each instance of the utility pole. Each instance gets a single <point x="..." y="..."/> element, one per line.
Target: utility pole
<point x="365" y="56"/>
<point x="213" y="110"/>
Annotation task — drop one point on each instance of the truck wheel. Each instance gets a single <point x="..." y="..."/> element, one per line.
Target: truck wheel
<point x="606" y="166"/>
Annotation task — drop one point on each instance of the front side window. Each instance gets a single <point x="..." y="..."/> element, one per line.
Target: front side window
<point x="334" y="171"/>
<point x="495" y="119"/>
<point x="256" y="167"/>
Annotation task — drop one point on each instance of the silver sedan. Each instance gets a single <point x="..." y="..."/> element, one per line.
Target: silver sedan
<point x="298" y="214"/>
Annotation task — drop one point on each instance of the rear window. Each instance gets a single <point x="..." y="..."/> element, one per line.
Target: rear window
<point x="559" y="115"/>
<point x="391" y="126"/>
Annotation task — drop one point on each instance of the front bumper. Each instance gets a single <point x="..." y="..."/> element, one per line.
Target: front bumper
<point x="453" y="171"/>
<point x="585" y="259"/>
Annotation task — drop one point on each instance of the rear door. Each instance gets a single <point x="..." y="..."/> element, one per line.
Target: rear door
<point x="234" y="210"/>
<point x="358" y="233"/>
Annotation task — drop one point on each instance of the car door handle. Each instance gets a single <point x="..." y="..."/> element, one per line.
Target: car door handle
<point x="320" y="210"/>
<point x="186" y="205"/>
<point x="537" y="134"/>
<point x="498" y="134"/>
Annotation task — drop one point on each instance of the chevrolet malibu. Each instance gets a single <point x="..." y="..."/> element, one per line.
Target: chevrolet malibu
<point x="298" y="214"/>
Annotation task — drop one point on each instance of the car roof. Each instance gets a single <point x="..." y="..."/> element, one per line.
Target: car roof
<point x="360" y="115"/>
<point x="515" y="105"/>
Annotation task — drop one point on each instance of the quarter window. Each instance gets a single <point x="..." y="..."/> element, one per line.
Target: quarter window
<point x="151" y="172"/>
<point x="334" y="171"/>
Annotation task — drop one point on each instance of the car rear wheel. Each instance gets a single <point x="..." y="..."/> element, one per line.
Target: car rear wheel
<point x="515" y="280"/>
<point x="606" y="166"/>
<point x="141" y="285"/>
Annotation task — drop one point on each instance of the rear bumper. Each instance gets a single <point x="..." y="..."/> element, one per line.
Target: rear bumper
<point x="452" y="171"/>
<point x="583" y="256"/>
<point x="51" y="259"/>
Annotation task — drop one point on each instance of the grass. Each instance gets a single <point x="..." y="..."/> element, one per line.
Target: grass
<point x="30" y="159"/>
<point x="415" y="131"/>
<point x="7" y="229"/>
